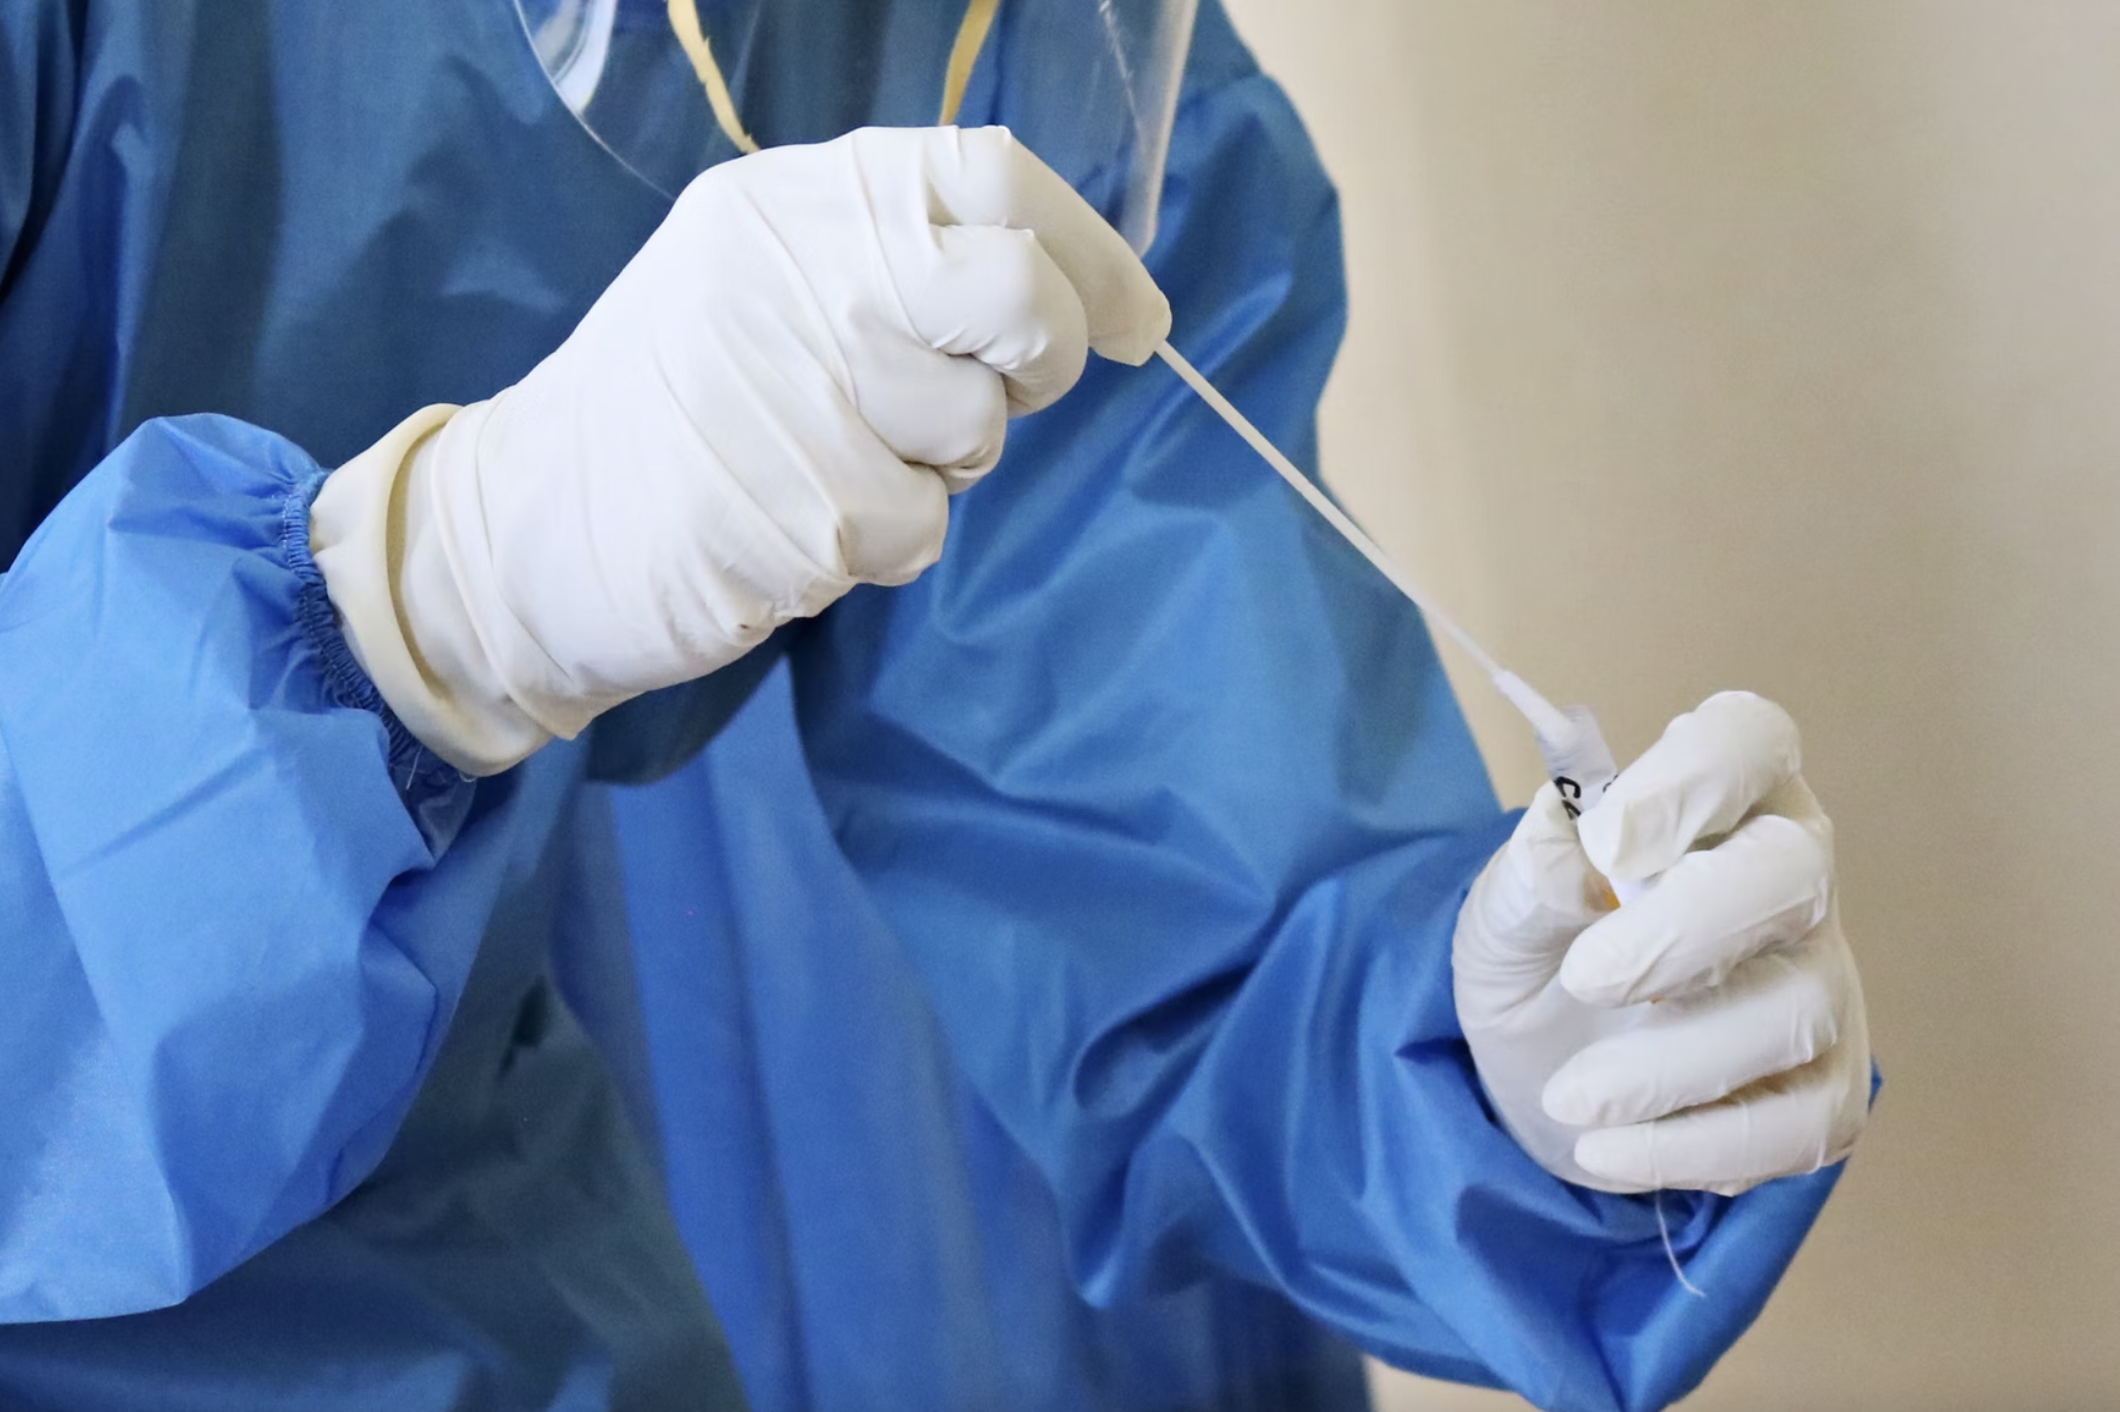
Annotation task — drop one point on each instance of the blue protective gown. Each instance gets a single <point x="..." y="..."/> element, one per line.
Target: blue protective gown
<point x="1036" y="995"/>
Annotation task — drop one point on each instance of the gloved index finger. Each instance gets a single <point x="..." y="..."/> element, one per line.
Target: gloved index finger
<point x="984" y="176"/>
<point x="1712" y="766"/>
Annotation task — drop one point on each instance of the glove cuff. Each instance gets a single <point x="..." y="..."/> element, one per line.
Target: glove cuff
<point x="399" y="606"/>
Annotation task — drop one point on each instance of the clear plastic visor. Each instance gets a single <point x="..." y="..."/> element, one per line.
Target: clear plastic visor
<point x="670" y="87"/>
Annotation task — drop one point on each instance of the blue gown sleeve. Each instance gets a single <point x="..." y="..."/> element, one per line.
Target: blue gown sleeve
<point x="228" y="945"/>
<point x="1165" y="792"/>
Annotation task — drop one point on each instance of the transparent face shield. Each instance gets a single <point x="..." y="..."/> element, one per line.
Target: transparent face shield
<point x="670" y="87"/>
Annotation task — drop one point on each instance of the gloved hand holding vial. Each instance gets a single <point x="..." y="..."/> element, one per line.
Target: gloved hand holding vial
<point x="1710" y="1035"/>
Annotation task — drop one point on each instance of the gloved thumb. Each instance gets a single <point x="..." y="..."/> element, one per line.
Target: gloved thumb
<point x="984" y="177"/>
<point x="1527" y="907"/>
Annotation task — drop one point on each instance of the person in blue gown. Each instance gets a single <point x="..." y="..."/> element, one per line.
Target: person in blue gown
<point x="1026" y="988"/>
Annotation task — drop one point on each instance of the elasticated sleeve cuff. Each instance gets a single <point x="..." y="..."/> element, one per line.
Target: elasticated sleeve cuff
<point x="420" y="775"/>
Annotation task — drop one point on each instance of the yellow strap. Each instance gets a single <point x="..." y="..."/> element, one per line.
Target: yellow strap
<point x="964" y="54"/>
<point x="684" y="20"/>
<point x="692" y="37"/>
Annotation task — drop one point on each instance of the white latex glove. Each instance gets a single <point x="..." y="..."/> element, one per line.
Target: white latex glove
<point x="771" y="403"/>
<point x="1709" y="1034"/>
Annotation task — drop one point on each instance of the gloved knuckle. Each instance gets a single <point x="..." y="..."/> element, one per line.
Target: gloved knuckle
<point x="1847" y="1130"/>
<point x="1795" y="846"/>
<point x="1012" y="280"/>
<point x="1823" y="1010"/>
<point x="997" y="139"/>
<point x="1754" y="724"/>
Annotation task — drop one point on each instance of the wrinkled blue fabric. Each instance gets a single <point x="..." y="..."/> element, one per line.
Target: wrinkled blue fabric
<point x="1030" y="989"/>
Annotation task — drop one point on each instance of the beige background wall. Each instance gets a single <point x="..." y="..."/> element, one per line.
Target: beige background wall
<point x="1701" y="343"/>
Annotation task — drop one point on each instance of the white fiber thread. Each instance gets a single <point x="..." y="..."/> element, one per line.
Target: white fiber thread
<point x="1663" y="1227"/>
